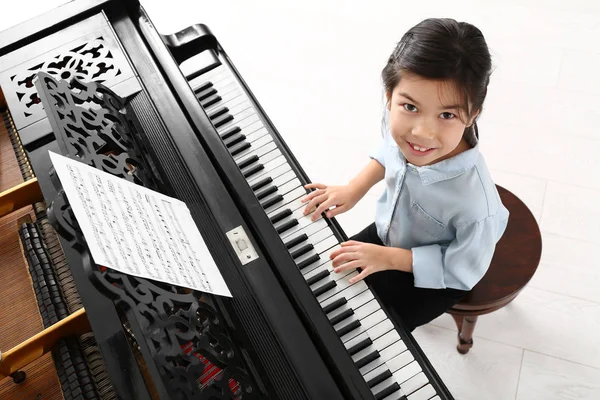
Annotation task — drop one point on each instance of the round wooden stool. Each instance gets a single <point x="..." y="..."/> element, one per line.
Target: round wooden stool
<point x="515" y="260"/>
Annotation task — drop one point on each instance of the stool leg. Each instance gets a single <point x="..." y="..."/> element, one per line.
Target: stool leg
<point x="465" y="333"/>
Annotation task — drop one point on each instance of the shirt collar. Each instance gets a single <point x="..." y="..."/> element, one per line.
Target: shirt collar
<point x="450" y="167"/>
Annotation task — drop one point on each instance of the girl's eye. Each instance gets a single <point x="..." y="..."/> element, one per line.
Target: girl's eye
<point x="447" y="115"/>
<point x="410" y="108"/>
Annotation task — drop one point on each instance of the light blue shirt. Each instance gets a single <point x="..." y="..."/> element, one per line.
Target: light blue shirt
<point x="449" y="214"/>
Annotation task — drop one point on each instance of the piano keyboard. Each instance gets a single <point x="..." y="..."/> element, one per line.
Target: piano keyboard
<point x="384" y="361"/>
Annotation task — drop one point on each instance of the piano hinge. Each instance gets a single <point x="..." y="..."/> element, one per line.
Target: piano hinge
<point x="242" y="245"/>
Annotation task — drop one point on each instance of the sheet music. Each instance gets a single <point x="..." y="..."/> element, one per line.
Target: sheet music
<point x="136" y="230"/>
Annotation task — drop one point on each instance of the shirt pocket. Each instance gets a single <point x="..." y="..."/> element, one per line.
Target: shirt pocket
<point x="423" y="222"/>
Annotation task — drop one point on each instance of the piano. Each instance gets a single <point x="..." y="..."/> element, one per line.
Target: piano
<point x="93" y="80"/>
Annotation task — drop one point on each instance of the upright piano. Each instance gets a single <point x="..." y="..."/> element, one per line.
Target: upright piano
<point x="93" y="80"/>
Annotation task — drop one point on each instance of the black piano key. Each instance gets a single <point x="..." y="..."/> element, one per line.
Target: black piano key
<point x="316" y="278"/>
<point x="308" y="261"/>
<point x="335" y="305"/>
<point x="211" y="101"/>
<point x="372" y="356"/>
<point x="272" y="201"/>
<point x="235" y="140"/>
<point x="238" y="150"/>
<point x="262" y="183"/>
<point x="302" y="250"/>
<point x="341" y="316"/>
<point x="387" y="391"/>
<point x="231" y="132"/>
<point x="297" y="240"/>
<point x="205" y="94"/>
<point x="248" y="161"/>
<point x="220" y="111"/>
<point x="348" y="328"/>
<point x="280" y="215"/>
<point x="322" y="289"/>
<point x="254" y="170"/>
<point x="203" y="87"/>
<point x="363" y="344"/>
<point x="286" y="226"/>
<point x="379" y="378"/>
<point x="222" y="120"/>
<point x="268" y="191"/>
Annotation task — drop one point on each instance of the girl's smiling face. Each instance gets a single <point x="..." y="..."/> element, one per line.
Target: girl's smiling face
<point x="427" y="119"/>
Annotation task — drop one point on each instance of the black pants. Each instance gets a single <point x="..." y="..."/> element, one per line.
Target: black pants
<point x="396" y="289"/>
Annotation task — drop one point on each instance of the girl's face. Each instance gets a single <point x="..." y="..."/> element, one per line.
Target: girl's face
<point x="425" y="119"/>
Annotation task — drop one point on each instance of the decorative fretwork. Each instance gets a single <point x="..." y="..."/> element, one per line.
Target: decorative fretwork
<point x="180" y="331"/>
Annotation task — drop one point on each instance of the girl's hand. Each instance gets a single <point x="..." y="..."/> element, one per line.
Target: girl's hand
<point x="342" y="197"/>
<point x="370" y="258"/>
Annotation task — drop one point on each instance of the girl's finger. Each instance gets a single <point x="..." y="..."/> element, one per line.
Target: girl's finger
<point x="350" y="243"/>
<point x="315" y="185"/>
<point x="311" y="195"/>
<point x="335" y="211"/>
<point x="342" y="258"/>
<point x="348" y="266"/>
<point x="364" y="273"/>
<point x="313" y="203"/>
<point x="341" y="250"/>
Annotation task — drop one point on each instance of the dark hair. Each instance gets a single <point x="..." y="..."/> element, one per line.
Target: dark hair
<point x="442" y="48"/>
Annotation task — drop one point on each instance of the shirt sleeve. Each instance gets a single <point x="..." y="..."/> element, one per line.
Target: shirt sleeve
<point x="379" y="153"/>
<point x="462" y="263"/>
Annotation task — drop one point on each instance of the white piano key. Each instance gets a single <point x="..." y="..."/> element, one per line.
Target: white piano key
<point x="290" y="200"/>
<point x="319" y="248"/>
<point x="327" y="267"/>
<point x="397" y="395"/>
<point x="435" y="398"/>
<point x="240" y="110"/>
<point x="228" y="99"/>
<point x="385" y="354"/>
<point x="378" y="344"/>
<point x="274" y="173"/>
<point x="282" y="191"/>
<point x="400" y="361"/>
<point x="324" y="258"/>
<point x="268" y="167"/>
<point x="367" y="309"/>
<point x="251" y="129"/>
<point x="407" y="372"/>
<point x="258" y="151"/>
<point x="316" y="238"/>
<point x="366" y="323"/>
<point x="363" y="305"/>
<point x="216" y="76"/>
<point x="303" y="220"/>
<point x="383" y="385"/>
<point x="242" y="119"/>
<point x="348" y="293"/>
<point x="264" y="159"/>
<point x="226" y="85"/>
<point x="286" y="187"/>
<point x="284" y="178"/>
<point x="375" y="372"/>
<point x="375" y="332"/>
<point x="414" y="386"/>
<point x="257" y="133"/>
<point x="309" y="230"/>
<point x="219" y="73"/>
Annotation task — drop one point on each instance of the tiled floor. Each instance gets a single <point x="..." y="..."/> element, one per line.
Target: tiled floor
<point x="314" y="66"/>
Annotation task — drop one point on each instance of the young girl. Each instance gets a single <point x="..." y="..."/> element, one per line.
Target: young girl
<point x="439" y="219"/>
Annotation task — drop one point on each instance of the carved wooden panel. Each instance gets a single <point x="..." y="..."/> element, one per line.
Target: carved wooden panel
<point x="88" y="56"/>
